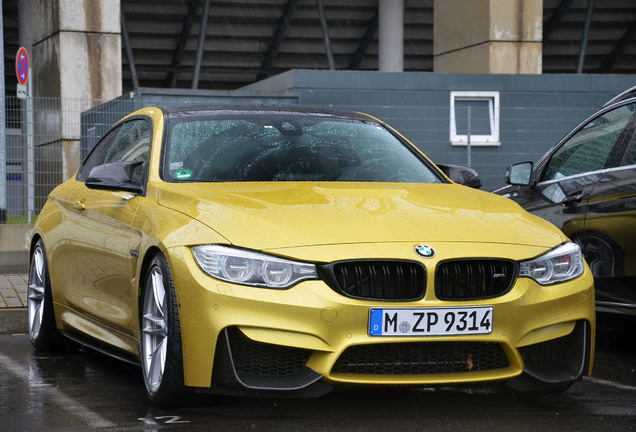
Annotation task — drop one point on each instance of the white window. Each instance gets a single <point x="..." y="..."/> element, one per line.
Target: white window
<point x="475" y="114"/>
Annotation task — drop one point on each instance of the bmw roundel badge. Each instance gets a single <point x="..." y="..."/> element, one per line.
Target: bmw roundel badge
<point x="424" y="251"/>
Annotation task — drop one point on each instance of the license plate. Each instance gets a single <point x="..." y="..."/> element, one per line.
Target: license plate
<point x="430" y="321"/>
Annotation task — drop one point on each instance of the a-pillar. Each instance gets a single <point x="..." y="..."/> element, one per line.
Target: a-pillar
<point x="76" y="63"/>
<point x="488" y="36"/>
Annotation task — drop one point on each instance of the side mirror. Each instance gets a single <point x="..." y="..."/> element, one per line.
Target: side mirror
<point x="115" y="176"/>
<point x="519" y="174"/>
<point x="462" y="175"/>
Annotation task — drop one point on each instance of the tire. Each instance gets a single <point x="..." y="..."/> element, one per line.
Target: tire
<point x="161" y="354"/>
<point x="43" y="332"/>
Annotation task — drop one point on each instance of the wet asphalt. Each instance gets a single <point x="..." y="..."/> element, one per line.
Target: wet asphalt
<point x="85" y="390"/>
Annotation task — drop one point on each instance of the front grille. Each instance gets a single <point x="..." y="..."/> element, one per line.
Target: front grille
<point x="376" y="279"/>
<point x="421" y="358"/>
<point x="474" y="279"/>
<point x="257" y="358"/>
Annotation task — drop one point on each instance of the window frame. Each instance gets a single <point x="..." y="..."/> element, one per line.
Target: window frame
<point x="492" y="97"/>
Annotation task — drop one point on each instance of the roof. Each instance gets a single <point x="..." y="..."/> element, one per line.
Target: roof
<point x="627" y="94"/>
<point x="197" y="109"/>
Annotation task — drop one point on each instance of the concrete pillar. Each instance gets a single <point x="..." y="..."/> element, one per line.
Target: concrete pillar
<point x="391" y="35"/>
<point x="76" y="61"/>
<point x="488" y="36"/>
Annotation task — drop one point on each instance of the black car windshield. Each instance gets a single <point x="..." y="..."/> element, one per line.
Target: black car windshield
<point x="276" y="147"/>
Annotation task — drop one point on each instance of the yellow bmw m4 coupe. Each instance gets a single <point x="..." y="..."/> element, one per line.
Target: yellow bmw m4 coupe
<point x="282" y="250"/>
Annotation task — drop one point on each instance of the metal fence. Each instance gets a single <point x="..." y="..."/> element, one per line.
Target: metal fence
<point x="42" y="149"/>
<point x="41" y="155"/>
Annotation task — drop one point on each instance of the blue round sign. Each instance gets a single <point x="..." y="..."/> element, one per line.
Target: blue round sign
<point x="22" y="66"/>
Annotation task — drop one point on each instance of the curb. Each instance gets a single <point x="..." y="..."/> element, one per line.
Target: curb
<point x="14" y="321"/>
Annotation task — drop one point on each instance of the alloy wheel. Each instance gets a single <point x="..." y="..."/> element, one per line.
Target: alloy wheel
<point x="154" y="330"/>
<point x="37" y="283"/>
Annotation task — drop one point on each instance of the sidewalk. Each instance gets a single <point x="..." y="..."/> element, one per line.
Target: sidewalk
<point x="13" y="303"/>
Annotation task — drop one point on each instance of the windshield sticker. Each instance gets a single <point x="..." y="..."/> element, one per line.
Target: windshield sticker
<point x="174" y="166"/>
<point x="183" y="174"/>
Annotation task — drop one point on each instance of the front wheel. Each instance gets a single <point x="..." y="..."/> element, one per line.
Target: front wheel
<point x="43" y="332"/>
<point x="161" y="354"/>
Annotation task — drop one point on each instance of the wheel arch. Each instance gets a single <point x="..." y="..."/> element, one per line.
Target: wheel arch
<point x="151" y="252"/>
<point x="610" y="264"/>
<point x="34" y="240"/>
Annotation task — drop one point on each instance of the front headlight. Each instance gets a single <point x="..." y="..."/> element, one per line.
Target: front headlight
<point x="562" y="263"/>
<point x="246" y="267"/>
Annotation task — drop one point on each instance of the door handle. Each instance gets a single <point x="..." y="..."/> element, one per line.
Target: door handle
<point x="79" y="205"/>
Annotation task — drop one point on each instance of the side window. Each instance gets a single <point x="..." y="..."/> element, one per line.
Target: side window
<point x="128" y="142"/>
<point x="97" y="155"/>
<point x="630" y="155"/>
<point x="590" y="148"/>
<point x="132" y="143"/>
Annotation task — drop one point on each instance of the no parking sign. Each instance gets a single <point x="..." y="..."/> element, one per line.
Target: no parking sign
<point x="22" y="71"/>
<point x="22" y="66"/>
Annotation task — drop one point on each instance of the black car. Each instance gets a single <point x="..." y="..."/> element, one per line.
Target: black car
<point x="586" y="186"/>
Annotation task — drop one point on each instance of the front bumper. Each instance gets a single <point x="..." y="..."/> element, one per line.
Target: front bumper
<point x="322" y="336"/>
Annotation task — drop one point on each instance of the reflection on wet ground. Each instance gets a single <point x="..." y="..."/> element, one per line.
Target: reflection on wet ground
<point x="87" y="391"/>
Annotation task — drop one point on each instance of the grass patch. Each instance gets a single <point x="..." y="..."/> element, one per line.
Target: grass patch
<point x="19" y="219"/>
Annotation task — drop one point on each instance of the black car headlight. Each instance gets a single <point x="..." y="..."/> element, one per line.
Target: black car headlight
<point x="246" y="267"/>
<point x="561" y="264"/>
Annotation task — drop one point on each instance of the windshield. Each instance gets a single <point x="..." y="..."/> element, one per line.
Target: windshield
<point x="258" y="147"/>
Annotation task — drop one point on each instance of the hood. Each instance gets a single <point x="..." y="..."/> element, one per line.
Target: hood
<point x="292" y="214"/>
